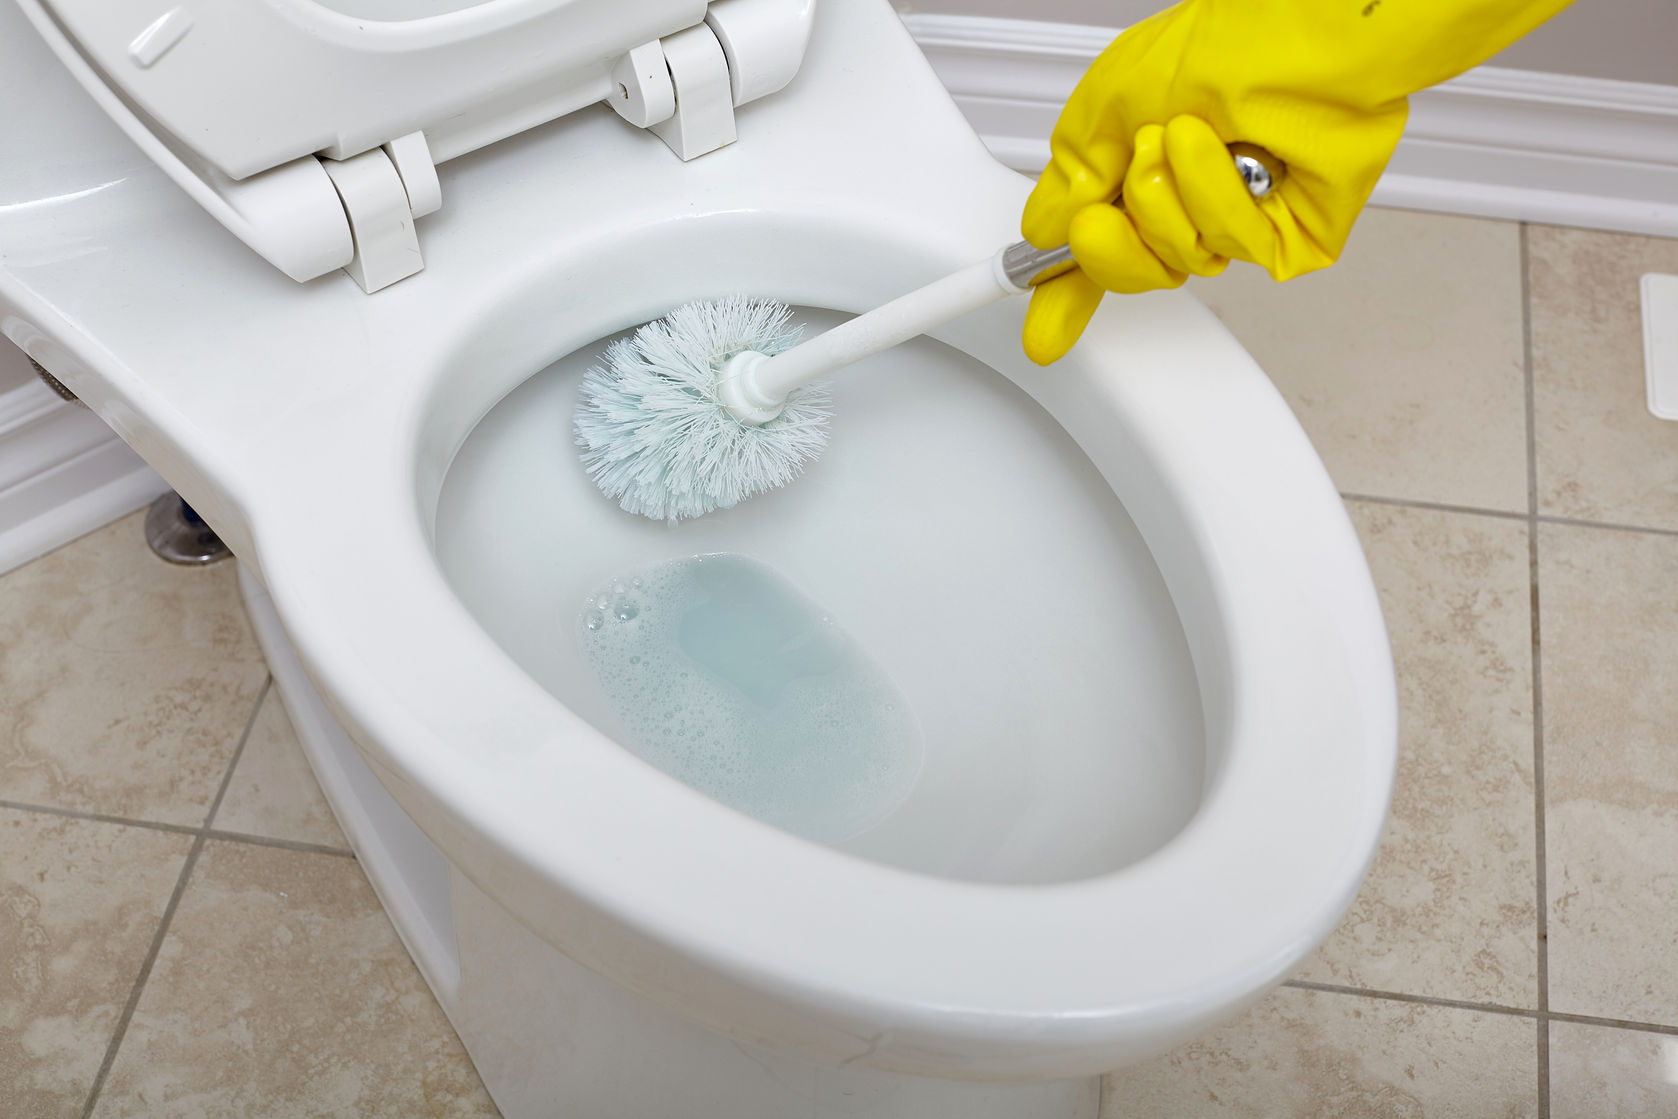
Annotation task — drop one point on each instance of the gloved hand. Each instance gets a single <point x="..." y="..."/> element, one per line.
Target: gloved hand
<point x="1320" y="84"/>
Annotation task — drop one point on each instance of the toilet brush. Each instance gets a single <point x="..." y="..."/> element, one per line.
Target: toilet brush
<point x="718" y="401"/>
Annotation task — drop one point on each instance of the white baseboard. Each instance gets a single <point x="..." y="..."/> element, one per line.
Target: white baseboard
<point x="1510" y="144"/>
<point x="63" y="473"/>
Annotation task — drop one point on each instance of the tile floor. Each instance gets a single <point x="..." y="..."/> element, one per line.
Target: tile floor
<point x="185" y="934"/>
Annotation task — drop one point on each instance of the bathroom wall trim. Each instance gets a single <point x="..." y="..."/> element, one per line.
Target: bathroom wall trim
<point x="1512" y="144"/>
<point x="63" y="473"/>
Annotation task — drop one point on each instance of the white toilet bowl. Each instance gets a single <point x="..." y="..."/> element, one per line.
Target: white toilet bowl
<point x="1120" y="594"/>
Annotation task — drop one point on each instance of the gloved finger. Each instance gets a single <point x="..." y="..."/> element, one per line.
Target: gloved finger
<point x="1111" y="253"/>
<point x="1230" y="219"/>
<point x="1084" y="169"/>
<point x="1155" y="208"/>
<point x="1059" y="311"/>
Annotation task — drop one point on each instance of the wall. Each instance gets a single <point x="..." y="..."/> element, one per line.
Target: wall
<point x="1632" y="40"/>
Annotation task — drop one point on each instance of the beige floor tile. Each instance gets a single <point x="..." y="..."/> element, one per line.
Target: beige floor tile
<point x="1601" y="455"/>
<point x="1404" y="360"/>
<point x="79" y="905"/>
<point x="273" y="792"/>
<point x="282" y="989"/>
<point x="125" y="681"/>
<point x="1309" y="1055"/>
<point x="1608" y="605"/>
<point x="1450" y="908"/>
<point x="1602" y="1073"/>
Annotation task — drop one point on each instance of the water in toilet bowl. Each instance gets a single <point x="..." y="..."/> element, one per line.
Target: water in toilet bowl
<point x="730" y="679"/>
<point x="962" y="540"/>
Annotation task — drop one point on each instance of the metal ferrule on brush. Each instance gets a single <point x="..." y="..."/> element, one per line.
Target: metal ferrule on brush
<point x="1023" y="265"/>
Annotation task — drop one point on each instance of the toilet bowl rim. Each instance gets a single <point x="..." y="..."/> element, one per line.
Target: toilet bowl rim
<point x="1251" y="970"/>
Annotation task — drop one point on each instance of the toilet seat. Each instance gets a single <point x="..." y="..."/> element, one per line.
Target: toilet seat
<point x="855" y="183"/>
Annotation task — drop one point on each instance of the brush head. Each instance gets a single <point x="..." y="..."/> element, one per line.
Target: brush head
<point x="657" y="439"/>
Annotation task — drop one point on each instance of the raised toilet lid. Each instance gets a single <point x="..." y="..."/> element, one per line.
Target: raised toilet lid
<point x="312" y="130"/>
<point x="249" y="86"/>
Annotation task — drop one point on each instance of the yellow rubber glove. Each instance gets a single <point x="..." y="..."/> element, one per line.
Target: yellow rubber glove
<point x="1321" y="84"/>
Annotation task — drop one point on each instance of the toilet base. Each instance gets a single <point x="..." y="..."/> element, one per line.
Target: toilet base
<point x="548" y="1036"/>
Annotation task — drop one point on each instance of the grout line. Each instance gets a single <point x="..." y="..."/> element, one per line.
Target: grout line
<point x="1613" y="1023"/>
<point x="1542" y="1035"/>
<point x="140" y="980"/>
<point x="1479" y="511"/>
<point x="100" y="817"/>
<point x="284" y="844"/>
<point x="1439" y="506"/>
<point x="1542" y="1016"/>
<point x="1540" y="866"/>
<point x="183" y="829"/>
<point x="1610" y="526"/>
<point x="169" y="910"/>
<point x="238" y="751"/>
<point x="1424" y="1000"/>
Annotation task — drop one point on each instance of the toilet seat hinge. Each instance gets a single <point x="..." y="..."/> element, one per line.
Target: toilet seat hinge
<point x="685" y="87"/>
<point x="703" y="120"/>
<point x="383" y="190"/>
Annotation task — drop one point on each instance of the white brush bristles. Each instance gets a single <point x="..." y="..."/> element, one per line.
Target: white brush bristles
<point x="654" y="434"/>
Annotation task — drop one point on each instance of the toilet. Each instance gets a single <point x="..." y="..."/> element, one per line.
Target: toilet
<point x="1153" y="700"/>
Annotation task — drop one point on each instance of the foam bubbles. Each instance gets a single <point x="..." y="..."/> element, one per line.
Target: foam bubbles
<point x="728" y="678"/>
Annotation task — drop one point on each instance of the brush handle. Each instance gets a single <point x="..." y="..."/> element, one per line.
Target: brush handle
<point x="754" y="387"/>
<point x="760" y="384"/>
<point x="882" y="328"/>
